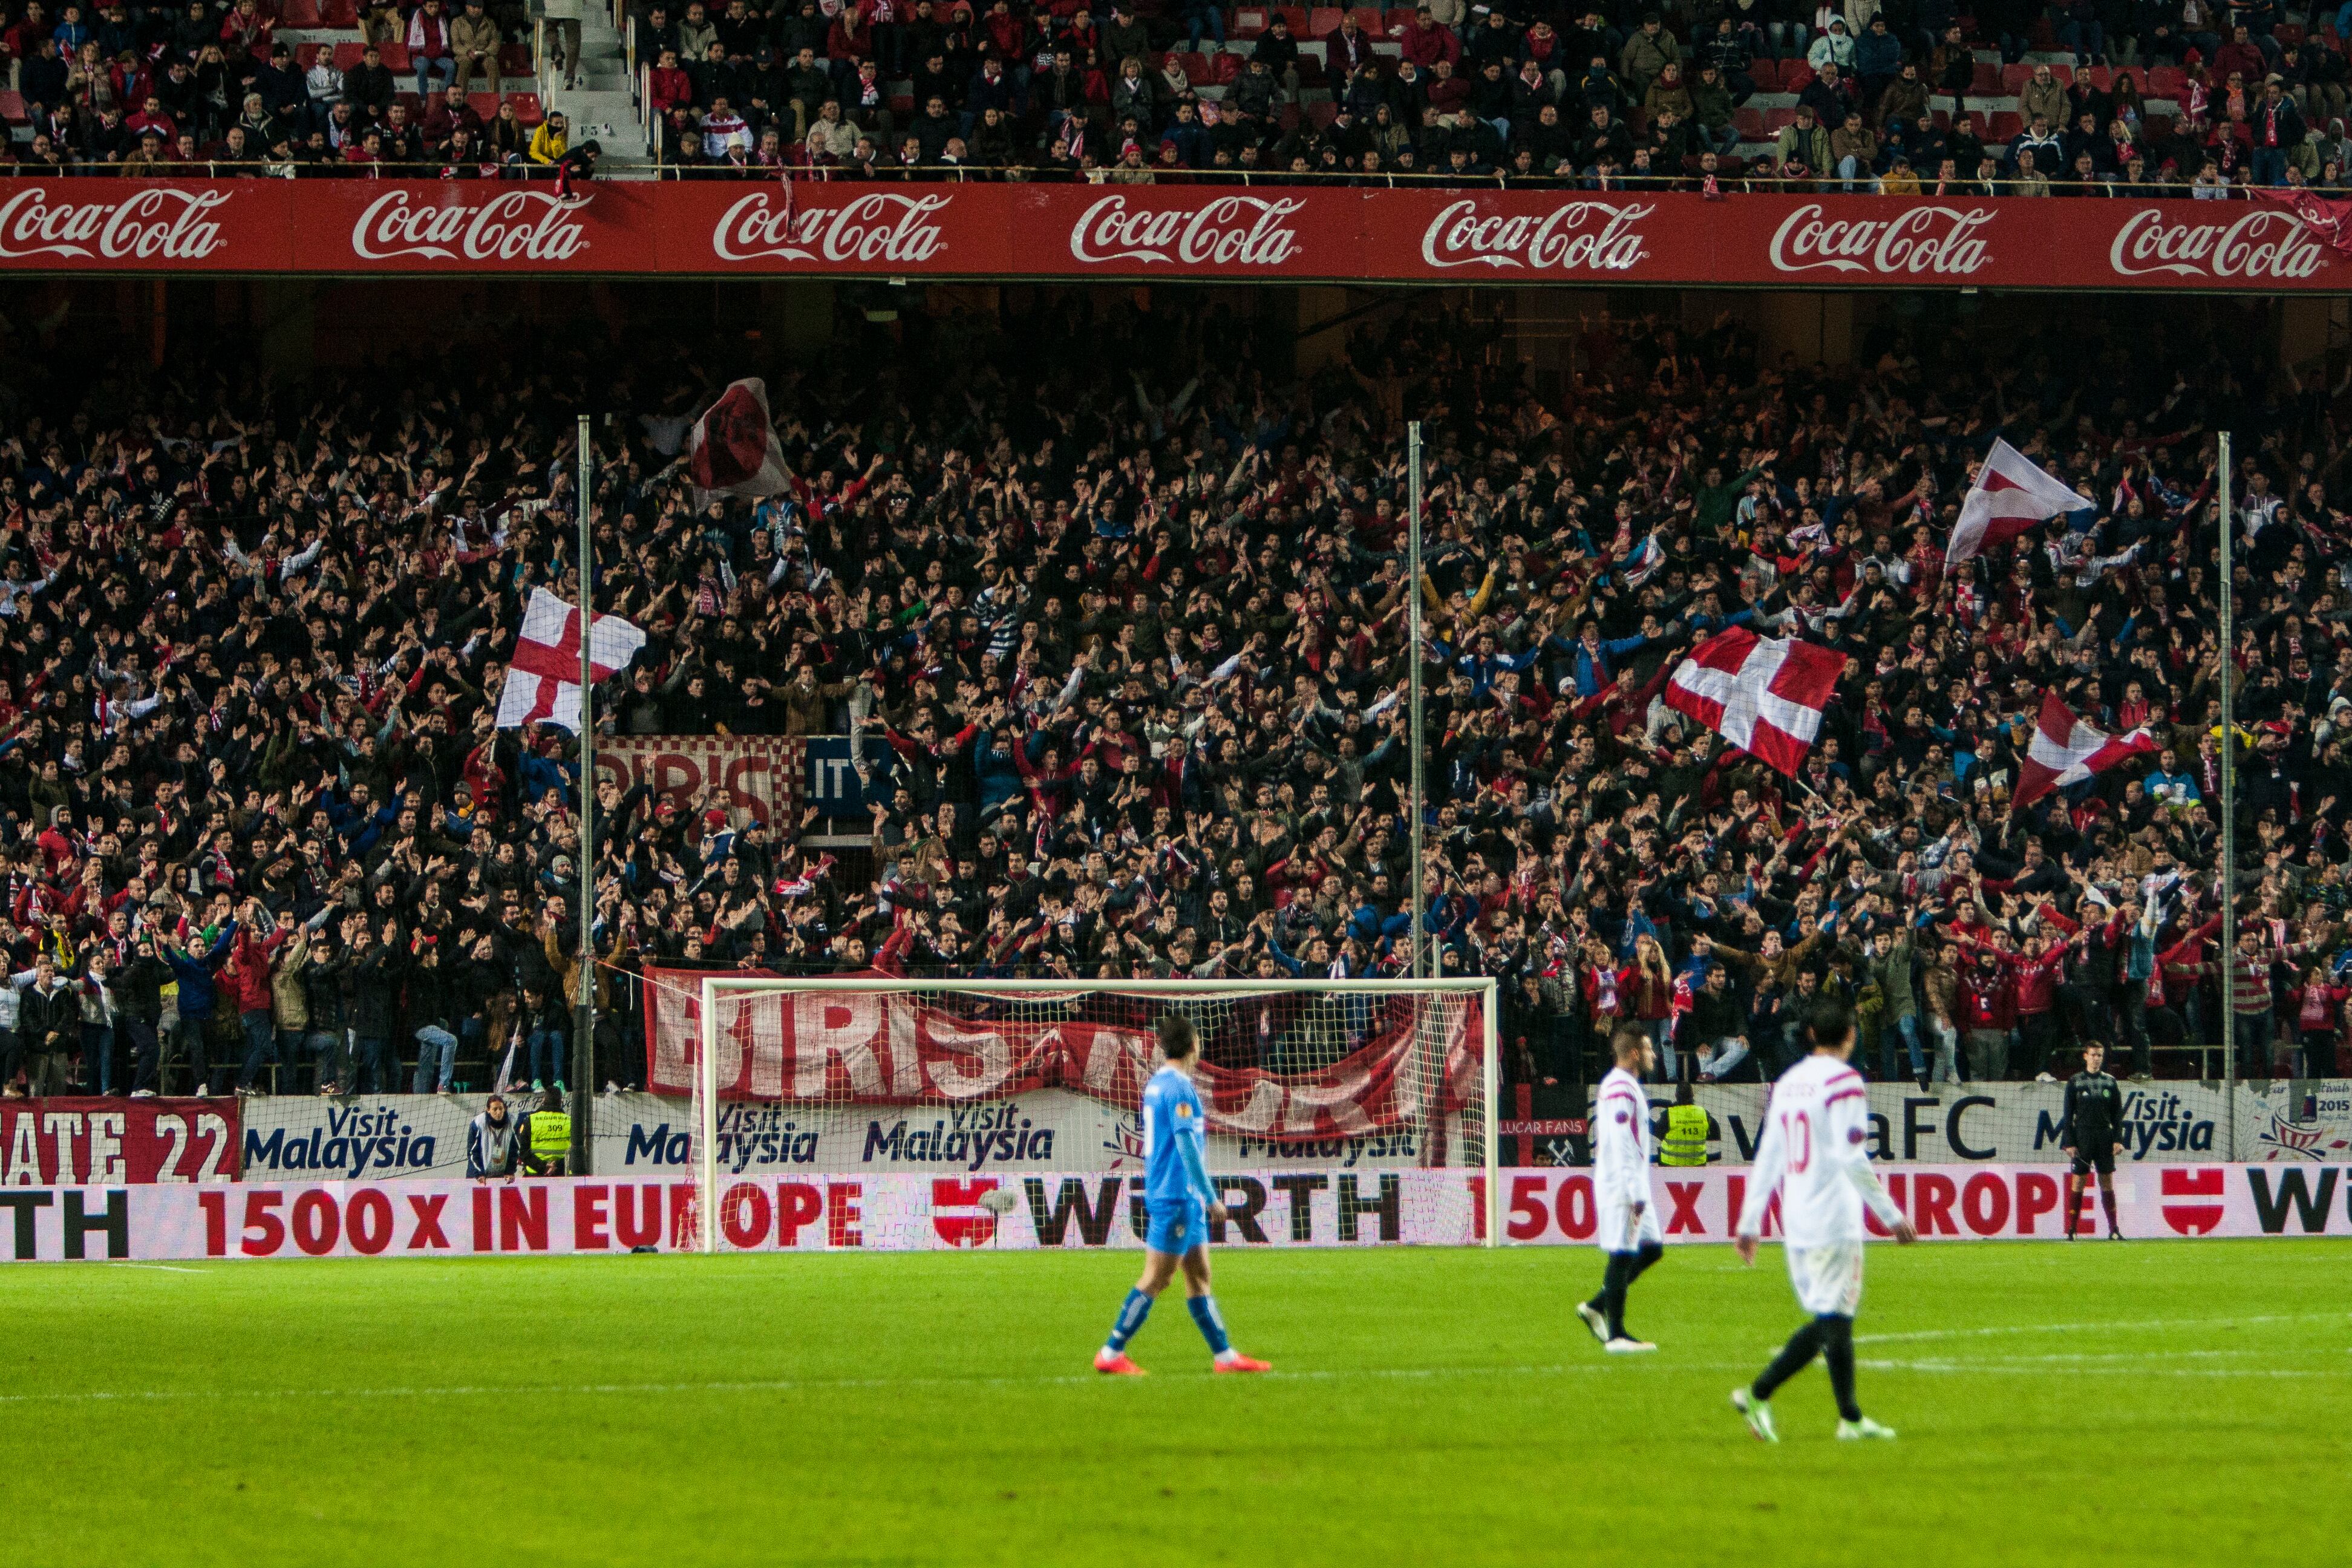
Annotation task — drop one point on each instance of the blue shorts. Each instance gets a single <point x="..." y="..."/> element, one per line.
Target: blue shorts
<point x="1178" y="1227"/>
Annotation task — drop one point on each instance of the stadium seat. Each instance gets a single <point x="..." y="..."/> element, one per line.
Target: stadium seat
<point x="395" y="57"/>
<point x="307" y="55"/>
<point x="1320" y="115"/>
<point x="1399" y="18"/>
<point x="2006" y="126"/>
<point x="1750" y="122"/>
<point x="1988" y="80"/>
<point x="13" y="113"/>
<point x="1197" y="70"/>
<point x="2288" y="34"/>
<point x="1765" y="74"/>
<point x="2014" y="78"/>
<point x="1795" y="75"/>
<point x="348" y="55"/>
<point x="2168" y="81"/>
<point x="1777" y="120"/>
<point x="301" y="13"/>
<point x="514" y="59"/>
<point x="1372" y="19"/>
<point x="1296" y="16"/>
<point x="342" y="14"/>
<point x="1323" y="21"/>
<point x="528" y="110"/>
<point x="1225" y="69"/>
<point x="1248" y="22"/>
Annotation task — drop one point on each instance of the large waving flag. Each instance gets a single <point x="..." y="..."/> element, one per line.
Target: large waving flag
<point x="2066" y="751"/>
<point x="2012" y="494"/>
<point x="1762" y="694"/>
<point x="543" y="679"/>
<point x="733" y="450"/>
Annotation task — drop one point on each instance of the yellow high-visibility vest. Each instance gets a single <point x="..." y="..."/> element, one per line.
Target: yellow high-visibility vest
<point x="1686" y="1140"/>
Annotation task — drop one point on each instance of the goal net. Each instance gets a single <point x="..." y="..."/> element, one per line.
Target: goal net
<point x="901" y="1114"/>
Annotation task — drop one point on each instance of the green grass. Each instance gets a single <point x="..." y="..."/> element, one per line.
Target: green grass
<point x="2145" y="1402"/>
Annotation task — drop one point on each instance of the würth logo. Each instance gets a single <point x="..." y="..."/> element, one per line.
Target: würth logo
<point x="2176" y="1182"/>
<point x="160" y="222"/>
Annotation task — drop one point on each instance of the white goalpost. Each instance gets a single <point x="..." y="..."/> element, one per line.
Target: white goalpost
<point x="829" y="1075"/>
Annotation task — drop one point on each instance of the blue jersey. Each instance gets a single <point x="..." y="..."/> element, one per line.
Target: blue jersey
<point x="1174" y="1141"/>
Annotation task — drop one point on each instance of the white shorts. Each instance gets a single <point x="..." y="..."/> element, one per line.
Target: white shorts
<point x="1618" y="1231"/>
<point x="1827" y="1279"/>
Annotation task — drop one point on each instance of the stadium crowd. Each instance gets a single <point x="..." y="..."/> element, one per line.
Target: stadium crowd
<point x="1866" y="96"/>
<point x="1116" y="613"/>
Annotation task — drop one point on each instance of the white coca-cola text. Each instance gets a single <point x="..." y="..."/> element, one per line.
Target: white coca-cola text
<point x="1578" y="236"/>
<point x="871" y="228"/>
<point x="1937" y="239"/>
<point x="517" y="226"/>
<point x="157" y="223"/>
<point x="1230" y="231"/>
<point x="2263" y="243"/>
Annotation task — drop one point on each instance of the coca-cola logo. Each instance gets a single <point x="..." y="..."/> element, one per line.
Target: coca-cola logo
<point x="1230" y="231"/>
<point x="158" y="223"/>
<point x="1937" y="239"/>
<point x="1578" y="236"/>
<point x="871" y="228"/>
<point x="2265" y="244"/>
<point x="516" y="225"/>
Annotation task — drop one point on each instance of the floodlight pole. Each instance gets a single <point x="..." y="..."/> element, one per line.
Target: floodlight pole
<point x="1412" y="667"/>
<point x="584" y="1024"/>
<point x="2226" y="881"/>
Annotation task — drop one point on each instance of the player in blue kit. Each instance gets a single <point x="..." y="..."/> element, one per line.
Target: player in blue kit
<point x="1182" y="1203"/>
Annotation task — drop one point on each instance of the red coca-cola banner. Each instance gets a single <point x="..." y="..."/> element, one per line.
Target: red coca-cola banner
<point x="104" y="1143"/>
<point x="1304" y="233"/>
<point x="881" y="1048"/>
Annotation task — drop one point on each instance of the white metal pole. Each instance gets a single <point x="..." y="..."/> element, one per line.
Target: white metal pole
<point x="2226" y="876"/>
<point x="1490" y="1005"/>
<point x="583" y="1106"/>
<point x="706" y="1135"/>
<point x="1412" y="667"/>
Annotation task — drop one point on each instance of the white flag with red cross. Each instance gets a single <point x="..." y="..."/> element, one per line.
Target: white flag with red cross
<point x="2066" y="751"/>
<point x="543" y="679"/>
<point x="1764" y="695"/>
<point x="2012" y="494"/>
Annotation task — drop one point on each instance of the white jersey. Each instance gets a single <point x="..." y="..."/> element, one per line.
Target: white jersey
<point x="1620" y="1143"/>
<point x="1816" y="1149"/>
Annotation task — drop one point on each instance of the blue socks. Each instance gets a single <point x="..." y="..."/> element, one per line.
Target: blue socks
<point x="1212" y="1323"/>
<point x="1131" y="1313"/>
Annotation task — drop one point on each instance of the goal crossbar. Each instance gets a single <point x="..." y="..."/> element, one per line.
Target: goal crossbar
<point x="1485" y="988"/>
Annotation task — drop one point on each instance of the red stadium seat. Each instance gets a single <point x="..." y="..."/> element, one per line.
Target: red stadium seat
<point x="395" y="56"/>
<point x="1319" y="114"/>
<point x="1372" y="19"/>
<point x="1323" y="21"/>
<point x="1399" y="18"/>
<point x="528" y="110"/>
<point x="1196" y="69"/>
<point x="1296" y="16"/>
<point x="2007" y="126"/>
<point x="1988" y="80"/>
<point x="307" y="55"/>
<point x="13" y="113"/>
<point x="1750" y="122"/>
<point x="1778" y="120"/>
<point x="2013" y="79"/>
<point x="347" y="56"/>
<point x="2168" y="81"/>
<point x="1765" y="74"/>
<point x="2288" y="34"/>
<point x="1225" y="69"/>
<point x="514" y="59"/>
<point x="1248" y="22"/>
<point x="1795" y="75"/>
<point x="2103" y="77"/>
<point x="301" y="13"/>
<point x="342" y="14"/>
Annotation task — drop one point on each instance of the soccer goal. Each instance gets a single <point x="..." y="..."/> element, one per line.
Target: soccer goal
<point x="1327" y="1093"/>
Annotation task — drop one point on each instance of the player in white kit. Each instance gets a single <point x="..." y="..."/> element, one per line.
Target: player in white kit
<point x="1815" y="1148"/>
<point x="1627" y="1221"/>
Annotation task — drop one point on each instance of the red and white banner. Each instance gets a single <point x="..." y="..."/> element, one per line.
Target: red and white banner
<point x="2066" y="751"/>
<point x="543" y="683"/>
<point x="907" y="1213"/>
<point x="2011" y="495"/>
<point x="760" y="775"/>
<point x="733" y="450"/>
<point x="871" y="1048"/>
<point x="1764" y="695"/>
<point x="1430" y="236"/>
<point x="97" y="1141"/>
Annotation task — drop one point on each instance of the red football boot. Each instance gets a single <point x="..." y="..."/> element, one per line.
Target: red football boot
<point x="1236" y="1362"/>
<point x="1116" y="1364"/>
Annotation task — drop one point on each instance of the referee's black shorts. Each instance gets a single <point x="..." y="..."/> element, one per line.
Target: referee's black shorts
<point x="2102" y="1160"/>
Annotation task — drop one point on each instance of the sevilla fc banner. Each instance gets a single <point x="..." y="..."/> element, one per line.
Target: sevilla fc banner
<point x="1080" y="1211"/>
<point x="66" y="1142"/>
<point x="835" y="1048"/>
<point x="979" y="229"/>
<point x="761" y="776"/>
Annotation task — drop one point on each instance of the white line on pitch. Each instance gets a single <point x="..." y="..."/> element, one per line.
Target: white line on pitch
<point x="2097" y="1328"/>
<point x="162" y="1268"/>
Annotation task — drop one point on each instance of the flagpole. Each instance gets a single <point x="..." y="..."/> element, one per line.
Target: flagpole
<point x="2226" y="882"/>
<point x="1412" y="666"/>
<point x="583" y="1030"/>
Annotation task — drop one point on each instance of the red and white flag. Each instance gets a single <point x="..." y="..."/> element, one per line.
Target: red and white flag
<point x="2066" y="751"/>
<point x="2012" y="494"/>
<point x="543" y="679"/>
<point x="733" y="450"/>
<point x="1764" y="695"/>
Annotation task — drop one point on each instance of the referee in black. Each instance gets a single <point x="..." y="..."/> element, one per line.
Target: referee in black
<point x="2094" y="1132"/>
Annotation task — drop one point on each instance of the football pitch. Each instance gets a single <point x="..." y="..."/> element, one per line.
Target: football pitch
<point x="2144" y="1402"/>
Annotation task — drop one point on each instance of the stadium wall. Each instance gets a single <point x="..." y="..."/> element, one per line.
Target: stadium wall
<point x="1078" y="1211"/>
<point x="1274" y="233"/>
